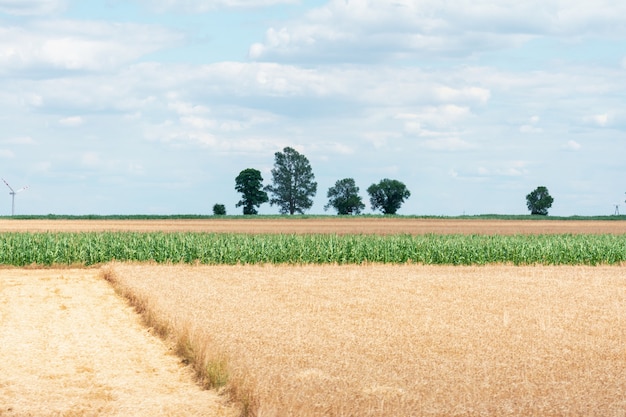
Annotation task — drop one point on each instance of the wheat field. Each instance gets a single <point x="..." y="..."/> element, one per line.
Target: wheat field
<point x="330" y="224"/>
<point x="71" y="347"/>
<point x="318" y="340"/>
<point x="403" y="340"/>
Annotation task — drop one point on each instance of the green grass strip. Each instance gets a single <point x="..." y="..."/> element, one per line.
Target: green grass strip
<point x="21" y="249"/>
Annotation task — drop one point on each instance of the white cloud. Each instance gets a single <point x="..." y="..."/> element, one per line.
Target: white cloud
<point x="512" y="172"/>
<point x="236" y="107"/>
<point x="446" y="114"/>
<point x="380" y="139"/>
<point x="270" y="89"/>
<point x="79" y="45"/>
<point x="531" y="126"/>
<point x="202" y="6"/>
<point x="71" y="121"/>
<point x="366" y="30"/>
<point x="601" y="120"/>
<point x="90" y="159"/>
<point x="31" y="7"/>
<point x="433" y="120"/>
<point x="136" y="168"/>
<point x="447" y="144"/>
<point x="256" y="51"/>
<point x="229" y="104"/>
<point x="572" y="145"/>
<point x="530" y="129"/>
<point x="33" y="100"/>
<point x="341" y="148"/>
<point x="332" y="148"/>
<point x="6" y="153"/>
<point x="184" y="137"/>
<point x="19" y="140"/>
<point x="504" y="169"/>
<point x="224" y="128"/>
<point x="447" y="94"/>
<point x="43" y="167"/>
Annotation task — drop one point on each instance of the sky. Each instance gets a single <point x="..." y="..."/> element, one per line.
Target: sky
<point x="155" y="106"/>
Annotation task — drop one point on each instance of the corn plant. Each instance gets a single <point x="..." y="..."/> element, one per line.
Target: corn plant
<point x="21" y="249"/>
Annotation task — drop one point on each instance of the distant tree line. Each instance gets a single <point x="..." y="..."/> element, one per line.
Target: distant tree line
<point x="293" y="188"/>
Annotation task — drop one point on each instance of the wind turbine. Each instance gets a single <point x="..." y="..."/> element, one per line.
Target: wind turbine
<point x="13" y="192"/>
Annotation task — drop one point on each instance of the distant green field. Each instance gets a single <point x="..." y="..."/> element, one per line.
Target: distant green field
<point x="307" y="216"/>
<point x="21" y="249"/>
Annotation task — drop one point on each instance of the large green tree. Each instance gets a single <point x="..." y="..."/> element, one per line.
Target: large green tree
<point x="539" y="201"/>
<point x="294" y="184"/>
<point x="388" y="195"/>
<point x="249" y="183"/>
<point x="344" y="197"/>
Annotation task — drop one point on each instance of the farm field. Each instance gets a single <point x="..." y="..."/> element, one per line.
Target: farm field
<point x="299" y="316"/>
<point x="92" y="248"/>
<point x="330" y="224"/>
<point x="401" y="340"/>
<point x="71" y="347"/>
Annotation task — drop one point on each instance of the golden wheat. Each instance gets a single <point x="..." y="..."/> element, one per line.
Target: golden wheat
<point x="331" y="224"/>
<point x="406" y="340"/>
<point x="71" y="347"/>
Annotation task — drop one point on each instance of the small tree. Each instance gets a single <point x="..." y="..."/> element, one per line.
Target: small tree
<point x="219" y="210"/>
<point x="539" y="201"/>
<point x="249" y="183"/>
<point x="293" y="182"/>
<point x="388" y="195"/>
<point x="344" y="197"/>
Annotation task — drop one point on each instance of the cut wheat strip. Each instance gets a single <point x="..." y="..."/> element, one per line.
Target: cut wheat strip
<point x="70" y="346"/>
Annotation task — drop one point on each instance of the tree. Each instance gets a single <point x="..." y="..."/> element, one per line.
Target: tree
<point x="539" y="201"/>
<point x="388" y="195"/>
<point x="344" y="197"/>
<point x="293" y="182"/>
<point x="219" y="210"/>
<point x="249" y="182"/>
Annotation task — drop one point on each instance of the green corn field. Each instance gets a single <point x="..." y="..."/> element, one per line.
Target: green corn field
<point x="91" y="248"/>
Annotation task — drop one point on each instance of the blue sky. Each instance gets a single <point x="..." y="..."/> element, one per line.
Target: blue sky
<point x="155" y="106"/>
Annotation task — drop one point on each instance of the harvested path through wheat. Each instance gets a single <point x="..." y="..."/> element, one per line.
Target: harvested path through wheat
<point x="70" y="346"/>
